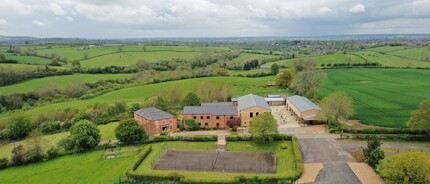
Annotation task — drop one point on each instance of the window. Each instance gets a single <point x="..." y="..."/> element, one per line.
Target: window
<point x="171" y="126"/>
<point x="171" y="120"/>
<point x="231" y="117"/>
<point x="208" y="117"/>
<point x="256" y="113"/>
<point x="195" y="117"/>
<point x="201" y="117"/>
<point x="200" y="124"/>
<point x="156" y="123"/>
<point x="251" y="114"/>
<point x="206" y="124"/>
<point x="217" y="124"/>
<point x="217" y="117"/>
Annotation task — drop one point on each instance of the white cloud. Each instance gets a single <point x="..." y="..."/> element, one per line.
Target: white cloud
<point x="57" y="9"/>
<point x="69" y="18"/>
<point x="401" y="25"/>
<point x="359" y="8"/>
<point x="15" y="7"/>
<point x="3" y="23"/>
<point x="39" y="23"/>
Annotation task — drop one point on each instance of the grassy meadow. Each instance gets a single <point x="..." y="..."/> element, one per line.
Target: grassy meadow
<point x="57" y="81"/>
<point x="322" y="59"/>
<point x="107" y="132"/>
<point x="28" y="59"/>
<point x="381" y="97"/>
<point x="240" y="86"/>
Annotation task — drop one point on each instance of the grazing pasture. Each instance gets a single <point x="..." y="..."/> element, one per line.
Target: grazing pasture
<point x="322" y="59"/>
<point x="28" y="59"/>
<point x="381" y="97"/>
<point x="57" y="81"/>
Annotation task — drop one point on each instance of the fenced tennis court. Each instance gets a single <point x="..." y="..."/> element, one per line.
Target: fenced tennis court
<point x="216" y="161"/>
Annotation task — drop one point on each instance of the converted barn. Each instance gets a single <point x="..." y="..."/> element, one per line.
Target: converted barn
<point x="213" y="115"/>
<point x="155" y="120"/>
<point x="303" y="109"/>
<point x="251" y="105"/>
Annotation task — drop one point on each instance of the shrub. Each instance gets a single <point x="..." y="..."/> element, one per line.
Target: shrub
<point x="33" y="154"/>
<point x="142" y="155"/>
<point x="4" y="134"/>
<point x="192" y="124"/>
<point x="234" y="129"/>
<point x="165" y="133"/>
<point x="53" y="152"/>
<point x="372" y="144"/>
<point x="284" y="146"/>
<point x="50" y="127"/>
<point x="375" y="158"/>
<point x="297" y="158"/>
<point x="4" y="162"/>
<point x="129" y="131"/>
<point x="19" y="127"/>
<point x="66" y="143"/>
<point x="410" y="167"/>
<point x="18" y="155"/>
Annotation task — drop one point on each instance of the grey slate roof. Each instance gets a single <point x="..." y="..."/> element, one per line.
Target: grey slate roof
<point x="274" y="99"/>
<point x="252" y="100"/>
<point x="214" y="110"/>
<point x="302" y="103"/>
<point x="218" y="104"/>
<point x="153" y="114"/>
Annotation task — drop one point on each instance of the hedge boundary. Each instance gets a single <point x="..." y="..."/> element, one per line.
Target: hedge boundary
<point x="240" y="178"/>
<point x="390" y="137"/>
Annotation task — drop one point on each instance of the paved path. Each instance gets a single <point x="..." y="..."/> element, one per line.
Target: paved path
<point x="336" y="172"/>
<point x="284" y="119"/>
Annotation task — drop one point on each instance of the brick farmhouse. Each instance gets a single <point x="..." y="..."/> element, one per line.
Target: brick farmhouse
<point x="155" y="120"/>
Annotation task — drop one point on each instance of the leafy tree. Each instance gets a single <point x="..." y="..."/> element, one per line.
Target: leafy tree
<point x="274" y="68"/>
<point x="191" y="99"/>
<point x="336" y="105"/>
<point x="221" y="71"/>
<point x="307" y="78"/>
<point x="133" y="108"/>
<point x="17" y="156"/>
<point x="84" y="135"/>
<point x="420" y="118"/>
<point x="372" y="144"/>
<point x="247" y="66"/>
<point x="117" y="108"/>
<point x="76" y="64"/>
<point x="192" y="124"/>
<point x="376" y="157"/>
<point x="263" y="126"/>
<point x="4" y="162"/>
<point x="409" y="167"/>
<point x="129" y="131"/>
<point x="161" y="104"/>
<point x="19" y="127"/>
<point x="2" y="57"/>
<point x="284" y="78"/>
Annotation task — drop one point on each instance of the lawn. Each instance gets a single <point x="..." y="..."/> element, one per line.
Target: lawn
<point x="321" y="59"/>
<point x="130" y="58"/>
<point x="285" y="160"/>
<point x="241" y="86"/>
<point x="57" y="81"/>
<point x="76" y="168"/>
<point x="107" y="133"/>
<point x="381" y="97"/>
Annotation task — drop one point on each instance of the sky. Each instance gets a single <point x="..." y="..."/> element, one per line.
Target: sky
<point x="211" y="18"/>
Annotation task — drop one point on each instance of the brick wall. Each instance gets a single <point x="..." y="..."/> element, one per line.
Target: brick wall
<point x="156" y="127"/>
<point x="210" y="120"/>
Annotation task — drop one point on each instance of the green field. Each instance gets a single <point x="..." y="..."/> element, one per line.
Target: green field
<point x="28" y="59"/>
<point x="414" y="53"/>
<point x="381" y="97"/>
<point x="107" y="133"/>
<point x="322" y="59"/>
<point x="391" y="60"/>
<point x="58" y="82"/>
<point x="241" y="86"/>
<point x="73" y="169"/>
<point x="130" y="58"/>
<point x="243" y="56"/>
<point x="284" y="159"/>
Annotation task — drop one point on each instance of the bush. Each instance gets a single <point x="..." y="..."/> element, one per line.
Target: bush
<point x="234" y="129"/>
<point x="32" y="155"/>
<point x="4" y="162"/>
<point x="297" y="158"/>
<point x="141" y="156"/>
<point x="410" y="167"/>
<point x="66" y="143"/>
<point x="53" y="152"/>
<point x="19" y="127"/>
<point x="18" y="155"/>
<point x="129" y="131"/>
<point x="4" y="134"/>
<point x="66" y="125"/>
<point x="50" y="127"/>
<point x="375" y="158"/>
<point x="192" y="124"/>
<point x="284" y="146"/>
<point x="164" y="133"/>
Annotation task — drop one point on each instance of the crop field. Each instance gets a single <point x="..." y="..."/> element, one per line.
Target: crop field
<point x="414" y="53"/>
<point x="381" y="97"/>
<point x="284" y="160"/>
<point x="58" y="82"/>
<point x="70" y="169"/>
<point x="243" y="56"/>
<point x="392" y="60"/>
<point x="240" y="86"/>
<point x="130" y="58"/>
<point x="107" y="133"/>
<point x="323" y="59"/>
